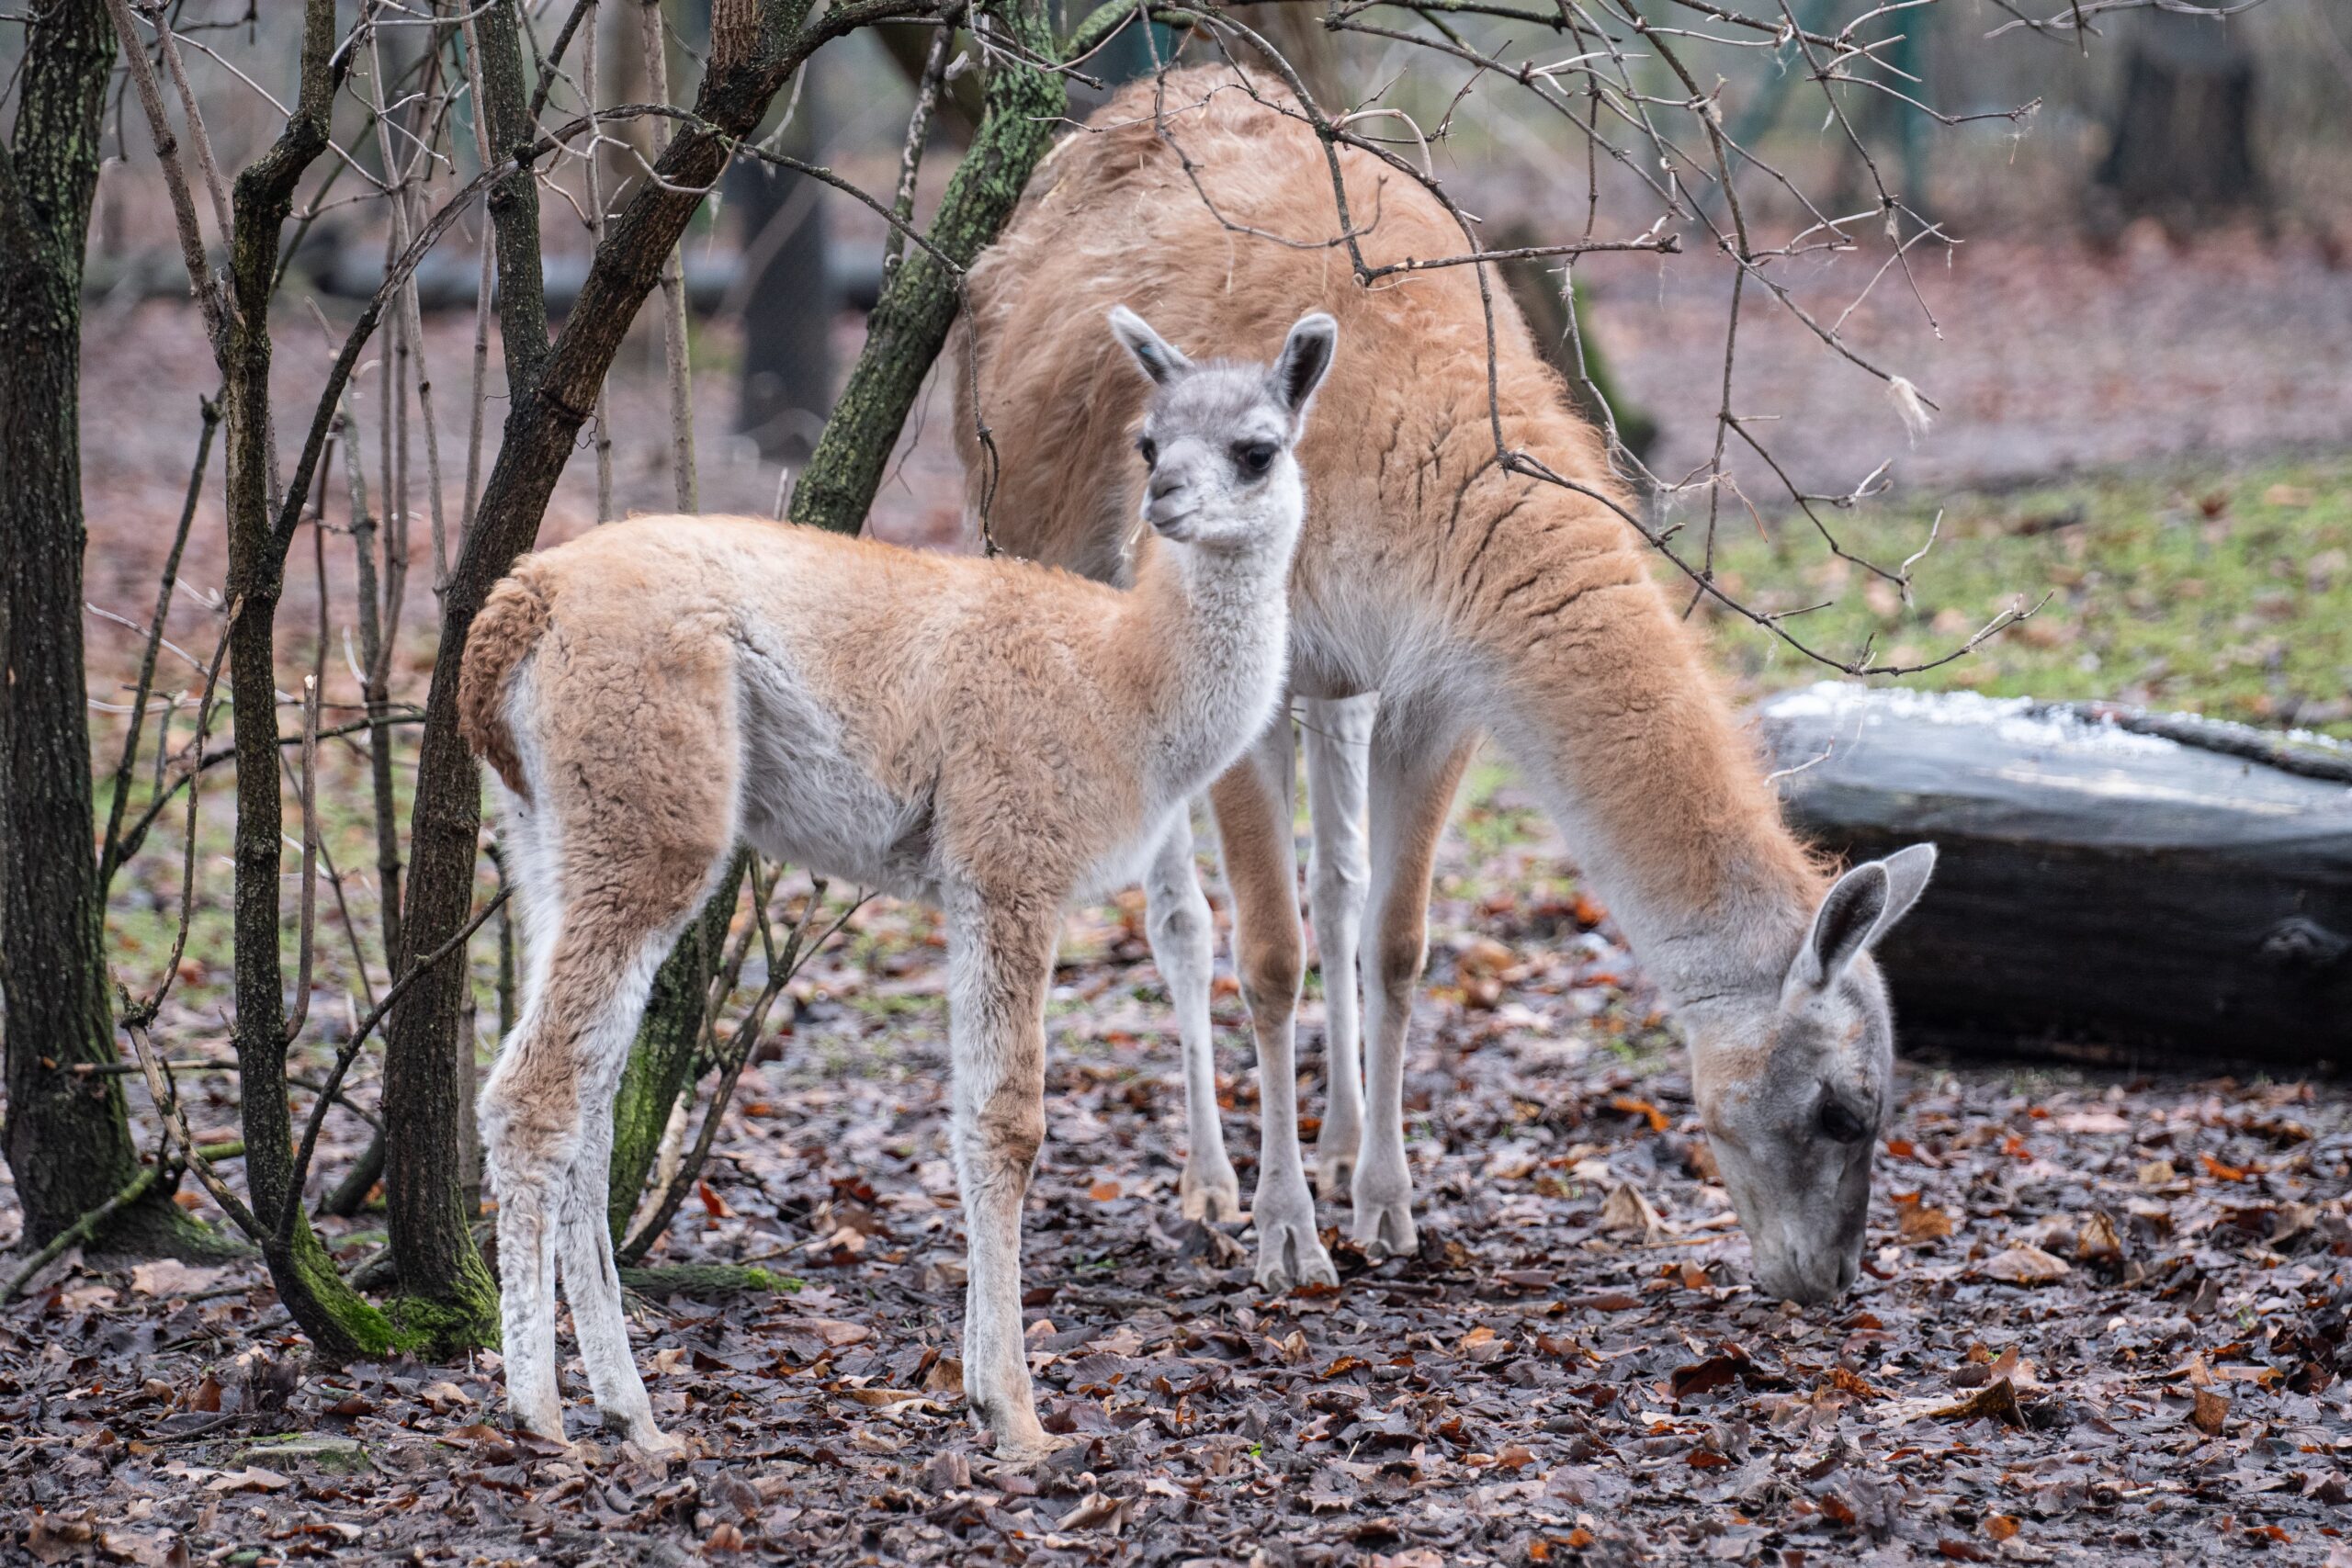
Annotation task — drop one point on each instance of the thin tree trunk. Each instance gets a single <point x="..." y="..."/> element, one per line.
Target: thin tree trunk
<point x="68" y="1140"/>
<point x="592" y="99"/>
<point x="340" y="1323"/>
<point x="674" y="350"/>
<point x="447" y="1290"/>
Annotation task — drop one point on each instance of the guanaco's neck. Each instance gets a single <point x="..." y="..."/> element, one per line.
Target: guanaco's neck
<point x="1601" y="694"/>
<point x="1208" y="633"/>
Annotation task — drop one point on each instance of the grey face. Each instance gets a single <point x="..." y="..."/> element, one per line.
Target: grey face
<point x="1795" y="1117"/>
<point x="1217" y="437"/>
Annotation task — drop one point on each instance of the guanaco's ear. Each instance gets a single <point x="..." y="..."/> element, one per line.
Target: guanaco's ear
<point x="1155" y="354"/>
<point x="1862" y="907"/>
<point x="1307" y="354"/>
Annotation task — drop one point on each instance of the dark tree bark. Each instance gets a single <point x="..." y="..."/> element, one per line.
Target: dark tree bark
<point x="2181" y="140"/>
<point x="341" y="1324"/>
<point x="67" y="1138"/>
<point x="447" y="1290"/>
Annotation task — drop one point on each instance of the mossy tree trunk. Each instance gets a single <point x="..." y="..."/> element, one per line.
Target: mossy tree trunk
<point x="67" y="1138"/>
<point x="445" y="1289"/>
<point x="340" y="1323"/>
<point x="661" y="1061"/>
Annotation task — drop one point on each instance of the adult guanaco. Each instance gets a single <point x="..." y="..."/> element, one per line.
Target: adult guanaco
<point x="1437" y="595"/>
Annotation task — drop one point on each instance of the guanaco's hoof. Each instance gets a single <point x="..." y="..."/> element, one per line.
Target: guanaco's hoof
<point x="1213" y="1198"/>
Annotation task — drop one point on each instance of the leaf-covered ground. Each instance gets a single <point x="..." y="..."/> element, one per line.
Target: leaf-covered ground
<point x="2103" y="1320"/>
<point x="2106" y="1317"/>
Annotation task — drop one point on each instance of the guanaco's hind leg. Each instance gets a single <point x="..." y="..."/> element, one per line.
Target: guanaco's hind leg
<point x="632" y="759"/>
<point x="1183" y="944"/>
<point x="1413" y="781"/>
<point x="1339" y="744"/>
<point x="593" y="1285"/>
<point x="1255" y="802"/>
<point x="547" y="1125"/>
<point x="547" y="1106"/>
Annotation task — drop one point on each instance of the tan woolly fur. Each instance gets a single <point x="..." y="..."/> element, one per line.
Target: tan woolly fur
<point x="996" y="737"/>
<point x="1436" y="596"/>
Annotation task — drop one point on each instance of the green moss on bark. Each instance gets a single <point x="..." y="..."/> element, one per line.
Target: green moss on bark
<point x="342" y="1324"/>
<point x="461" y="1317"/>
<point x="910" y="322"/>
<point x="705" y="1280"/>
<point x="661" y="1068"/>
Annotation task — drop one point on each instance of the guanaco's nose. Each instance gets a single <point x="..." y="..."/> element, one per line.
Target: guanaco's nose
<point x="1165" y="484"/>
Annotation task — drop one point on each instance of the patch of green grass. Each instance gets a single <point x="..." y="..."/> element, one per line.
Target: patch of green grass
<point x="2226" y="591"/>
<point x="1487" y="823"/>
<point x="900" y="1005"/>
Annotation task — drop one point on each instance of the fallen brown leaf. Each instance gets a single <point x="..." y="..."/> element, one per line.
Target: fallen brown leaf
<point x="170" y="1277"/>
<point x="2221" y="1171"/>
<point x="1095" y="1511"/>
<point x="1704" y="1377"/>
<point x="446" y="1396"/>
<point x="2025" y="1265"/>
<point x="1920" y="1222"/>
<point x="1625" y="1212"/>
<point x="1996" y="1401"/>
<point x="2099" y="1244"/>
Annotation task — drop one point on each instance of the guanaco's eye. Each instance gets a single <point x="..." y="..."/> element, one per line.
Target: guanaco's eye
<point x="1841" y="1122"/>
<point x="1151" y="450"/>
<point x="1255" y="456"/>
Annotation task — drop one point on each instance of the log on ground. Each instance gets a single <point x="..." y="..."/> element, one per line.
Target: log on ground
<point x="2112" y="883"/>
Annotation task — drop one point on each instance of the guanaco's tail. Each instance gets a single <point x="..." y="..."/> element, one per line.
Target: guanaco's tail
<point x="506" y="631"/>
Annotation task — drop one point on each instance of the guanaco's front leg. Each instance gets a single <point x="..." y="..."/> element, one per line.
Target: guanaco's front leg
<point x="1000" y="952"/>
<point x="1338" y="743"/>
<point x="1183" y="944"/>
<point x="1413" y="781"/>
<point x="1254" y="814"/>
